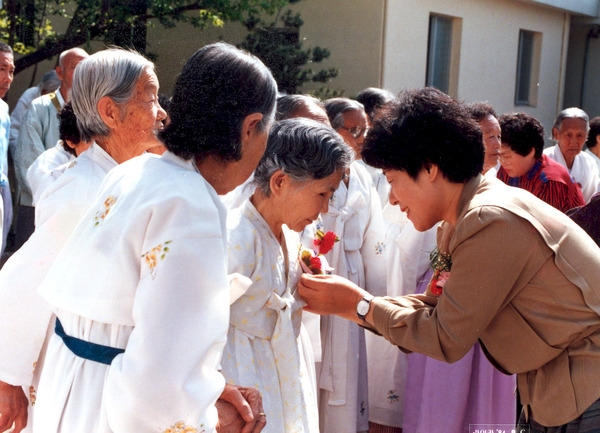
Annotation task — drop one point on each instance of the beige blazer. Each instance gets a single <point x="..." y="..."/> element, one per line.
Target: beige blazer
<point x="524" y="281"/>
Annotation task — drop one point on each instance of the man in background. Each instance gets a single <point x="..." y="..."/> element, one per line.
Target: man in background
<point x="39" y="132"/>
<point x="7" y="69"/>
<point x="48" y="83"/>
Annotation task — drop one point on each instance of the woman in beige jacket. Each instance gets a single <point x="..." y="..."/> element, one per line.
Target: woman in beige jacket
<point x="510" y="270"/>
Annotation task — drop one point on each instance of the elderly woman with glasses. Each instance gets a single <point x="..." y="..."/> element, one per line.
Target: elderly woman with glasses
<point x="140" y="289"/>
<point x="349" y="118"/>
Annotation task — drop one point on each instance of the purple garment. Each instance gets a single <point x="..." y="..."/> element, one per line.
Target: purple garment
<point x="441" y="397"/>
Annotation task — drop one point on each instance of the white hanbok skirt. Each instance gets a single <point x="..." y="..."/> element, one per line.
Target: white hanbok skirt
<point x="69" y="396"/>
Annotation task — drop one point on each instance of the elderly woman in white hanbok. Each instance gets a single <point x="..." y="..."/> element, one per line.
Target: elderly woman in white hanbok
<point x="140" y="290"/>
<point x="24" y="315"/>
<point x="266" y="346"/>
<point x="355" y="215"/>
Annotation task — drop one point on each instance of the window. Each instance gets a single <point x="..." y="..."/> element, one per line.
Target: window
<point x="443" y="53"/>
<point x="528" y="68"/>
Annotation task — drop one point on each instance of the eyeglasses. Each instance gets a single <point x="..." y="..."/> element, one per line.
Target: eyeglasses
<point x="357" y="131"/>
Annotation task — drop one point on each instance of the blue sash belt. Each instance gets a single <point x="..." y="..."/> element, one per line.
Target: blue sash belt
<point x="85" y="349"/>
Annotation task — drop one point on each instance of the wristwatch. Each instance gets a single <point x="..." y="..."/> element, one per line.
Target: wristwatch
<point x="362" y="308"/>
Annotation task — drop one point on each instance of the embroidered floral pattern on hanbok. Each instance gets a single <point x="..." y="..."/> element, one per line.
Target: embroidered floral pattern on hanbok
<point x="32" y="395"/>
<point x="157" y="253"/>
<point x="181" y="427"/>
<point x="392" y="396"/>
<point x="108" y="204"/>
<point x="380" y="248"/>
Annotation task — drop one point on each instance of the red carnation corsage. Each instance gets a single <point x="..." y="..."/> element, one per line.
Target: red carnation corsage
<point x="314" y="262"/>
<point x="441" y="264"/>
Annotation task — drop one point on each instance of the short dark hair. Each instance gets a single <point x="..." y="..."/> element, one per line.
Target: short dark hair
<point x="305" y="150"/>
<point x="373" y="99"/>
<point x="522" y="132"/>
<point x="480" y="110"/>
<point x="218" y="87"/>
<point x="288" y="105"/>
<point x="424" y="127"/>
<point x="593" y="133"/>
<point x="67" y="127"/>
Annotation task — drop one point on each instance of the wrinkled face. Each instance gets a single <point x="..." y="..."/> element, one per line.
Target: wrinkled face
<point x="490" y="129"/>
<point x="142" y="116"/>
<point x="416" y="197"/>
<point x="354" y="129"/>
<point x="516" y="165"/>
<point x="571" y="137"/>
<point x="305" y="201"/>
<point x="7" y="70"/>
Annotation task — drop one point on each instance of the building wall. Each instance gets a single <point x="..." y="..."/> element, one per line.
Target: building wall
<point x="488" y="54"/>
<point x="353" y="31"/>
<point x="383" y="43"/>
<point x="582" y="86"/>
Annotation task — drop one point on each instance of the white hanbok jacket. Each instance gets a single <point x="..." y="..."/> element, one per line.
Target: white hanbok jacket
<point x="584" y="171"/>
<point x="24" y="315"/>
<point x="594" y="157"/>
<point x="144" y="271"/>
<point x="46" y="168"/>
<point x="379" y="182"/>
<point x="266" y="345"/>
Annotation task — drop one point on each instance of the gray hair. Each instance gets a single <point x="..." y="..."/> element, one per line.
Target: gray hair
<point x="571" y="113"/>
<point x="114" y="73"/>
<point x="287" y="105"/>
<point x="5" y="48"/>
<point x="49" y="82"/>
<point x="305" y="150"/>
<point x="336" y="107"/>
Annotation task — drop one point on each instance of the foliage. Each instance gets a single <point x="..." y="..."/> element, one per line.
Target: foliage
<point x="280" y="48"/>
<point x="28" y="25"/>
<point x="324" y="93"/>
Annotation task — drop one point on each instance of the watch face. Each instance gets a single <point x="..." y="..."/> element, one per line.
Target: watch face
<point x="362" y="308"/>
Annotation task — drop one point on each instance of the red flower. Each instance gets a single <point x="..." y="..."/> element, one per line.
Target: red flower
<point x="314" y="262"/>
<point x="315" y="265"/>
<point x="324" y="242"/>
<point x="441" y="264"/>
